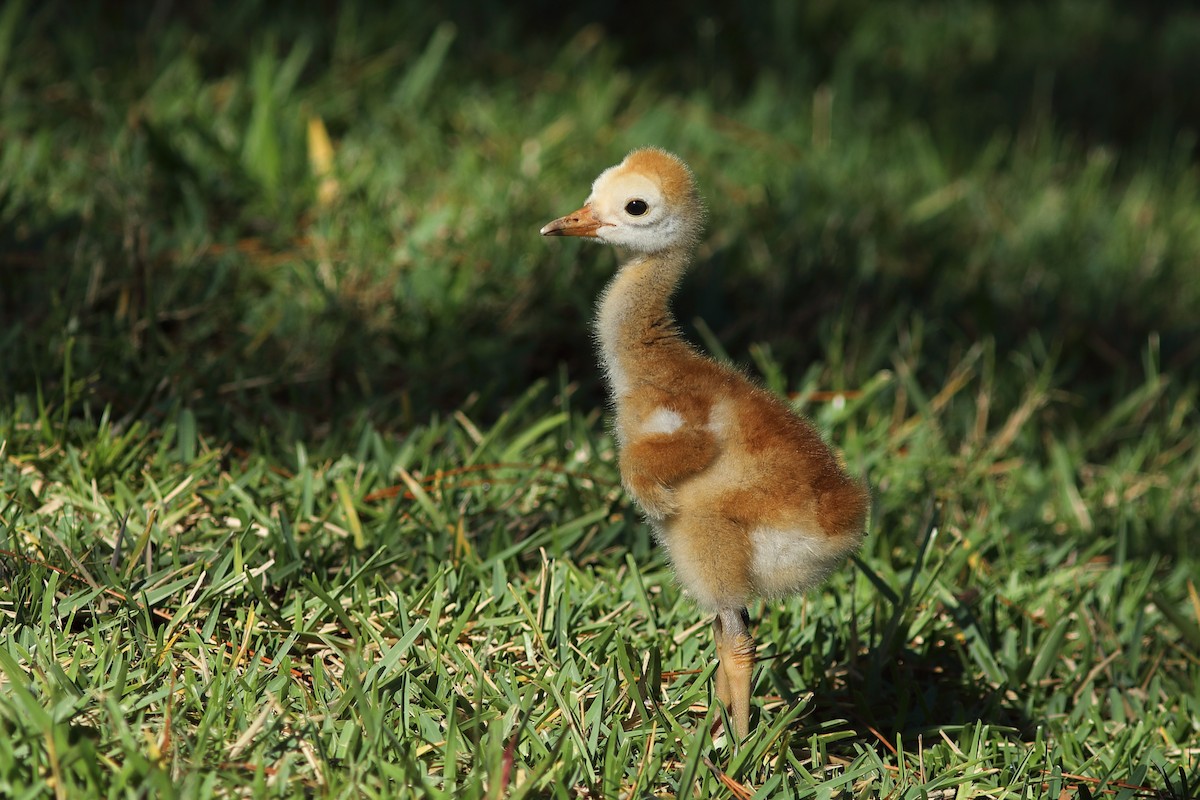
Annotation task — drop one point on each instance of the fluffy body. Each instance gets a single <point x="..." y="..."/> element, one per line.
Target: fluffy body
<point x="743" y="493"/>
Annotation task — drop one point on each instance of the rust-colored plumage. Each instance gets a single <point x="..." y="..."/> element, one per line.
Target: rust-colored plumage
<point x="744" y="495"/>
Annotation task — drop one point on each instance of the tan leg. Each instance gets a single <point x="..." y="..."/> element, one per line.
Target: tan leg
<point x="720" y="679"/>
<point x="735" y="670"/>
<point x="722" y="682"/>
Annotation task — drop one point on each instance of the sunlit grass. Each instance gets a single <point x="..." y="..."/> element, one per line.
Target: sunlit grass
<point x="306" y="486"/>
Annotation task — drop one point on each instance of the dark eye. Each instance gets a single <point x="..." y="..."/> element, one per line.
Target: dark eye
<point x="636" y="207"/>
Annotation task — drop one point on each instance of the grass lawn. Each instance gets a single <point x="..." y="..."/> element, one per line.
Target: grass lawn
<point x="306" y="486"/>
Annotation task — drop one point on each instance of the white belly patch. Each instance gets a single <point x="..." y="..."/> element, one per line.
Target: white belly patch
<point x="662" y="420"/>
<point x="788" y="561"/>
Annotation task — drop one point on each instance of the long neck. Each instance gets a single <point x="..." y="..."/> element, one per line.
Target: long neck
<point x="638" y="336"/>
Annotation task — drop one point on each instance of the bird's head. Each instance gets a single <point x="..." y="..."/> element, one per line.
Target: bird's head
<point x="648" y="203"/>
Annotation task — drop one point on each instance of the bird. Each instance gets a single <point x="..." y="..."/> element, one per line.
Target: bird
<point x="743" y="493"/>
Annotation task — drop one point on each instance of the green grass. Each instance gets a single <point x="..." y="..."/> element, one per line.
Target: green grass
<point x="308" y="491"/>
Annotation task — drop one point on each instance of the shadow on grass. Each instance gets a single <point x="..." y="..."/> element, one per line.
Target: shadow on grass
<point x="906" y="693"/>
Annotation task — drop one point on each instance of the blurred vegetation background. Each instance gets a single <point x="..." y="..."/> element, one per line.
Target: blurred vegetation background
<point x="993" y="169"/>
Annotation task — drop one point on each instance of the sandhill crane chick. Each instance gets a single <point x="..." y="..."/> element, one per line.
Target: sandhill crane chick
<point x="743" y="494"/>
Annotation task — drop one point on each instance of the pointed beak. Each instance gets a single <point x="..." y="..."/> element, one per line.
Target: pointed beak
<point x="579" y="223"/>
